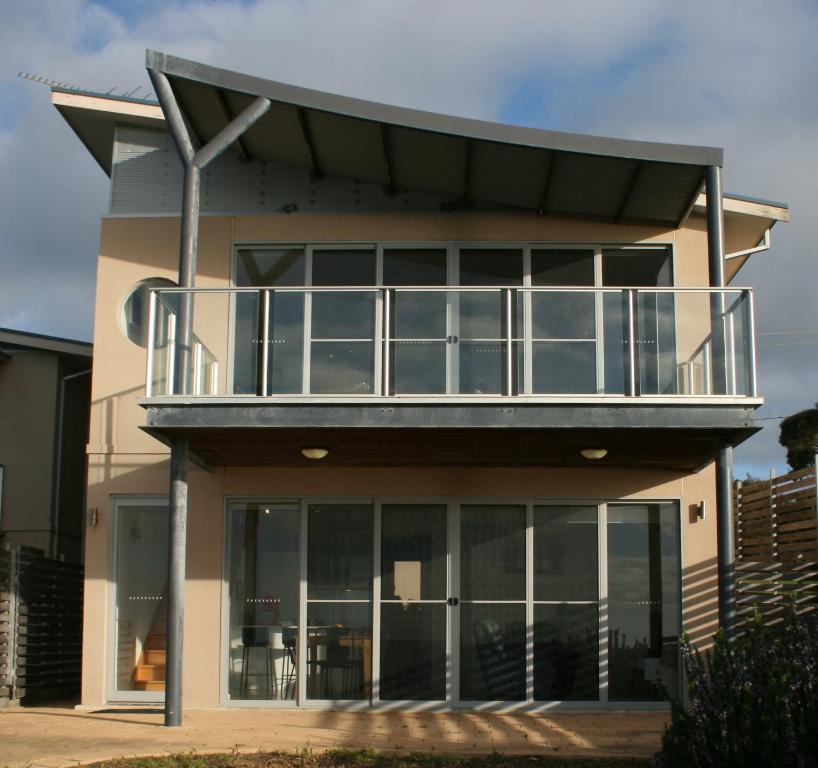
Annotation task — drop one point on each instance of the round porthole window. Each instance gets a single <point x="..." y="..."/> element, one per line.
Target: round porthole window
<point x="134" y="318"/>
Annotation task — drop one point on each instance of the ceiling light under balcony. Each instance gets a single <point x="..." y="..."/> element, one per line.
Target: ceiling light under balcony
<point x="594" y="453"/>
<point x="314" y="453"/>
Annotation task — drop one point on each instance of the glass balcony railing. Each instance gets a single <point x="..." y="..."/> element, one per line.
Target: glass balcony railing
<point x="444" y="342"/>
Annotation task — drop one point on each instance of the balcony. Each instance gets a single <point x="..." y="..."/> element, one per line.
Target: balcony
<point x="423" y="344"/>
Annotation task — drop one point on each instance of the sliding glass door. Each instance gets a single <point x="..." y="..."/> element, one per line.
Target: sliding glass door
<point x="518" y="602"/>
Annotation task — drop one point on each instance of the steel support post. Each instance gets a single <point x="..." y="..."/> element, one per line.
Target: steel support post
<point x="715" y="252"/>
<point x="724" y="461"/>
<point x="726" y="540"/>
<point x="177" y="539"/>
<point x="194" y="161"/>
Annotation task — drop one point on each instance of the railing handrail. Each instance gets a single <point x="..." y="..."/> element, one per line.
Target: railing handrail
<point x="722" y="311"/>
<point x="453" y="288"/>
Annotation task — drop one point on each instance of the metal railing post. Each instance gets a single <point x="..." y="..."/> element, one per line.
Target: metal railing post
<point x="151" y="343"/>
<point x="197" y="368"/>
<point x="751" y="350"/>
<point x="633" y="389"/>
<point x="509" y="346"/>
<point x="265" y="340"/>
<point x="386" y="327"/>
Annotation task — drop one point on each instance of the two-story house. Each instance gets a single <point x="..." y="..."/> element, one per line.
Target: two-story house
<point x="393" y="408"/>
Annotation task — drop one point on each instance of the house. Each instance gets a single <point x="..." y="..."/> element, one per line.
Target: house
<point x="398" y="409"/>
<point x="45" y="399"/>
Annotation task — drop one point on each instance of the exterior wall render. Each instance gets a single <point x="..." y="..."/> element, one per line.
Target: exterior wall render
<point x="123" y="460"/>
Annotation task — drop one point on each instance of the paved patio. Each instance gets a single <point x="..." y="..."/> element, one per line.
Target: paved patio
<point x="60" y="736"/>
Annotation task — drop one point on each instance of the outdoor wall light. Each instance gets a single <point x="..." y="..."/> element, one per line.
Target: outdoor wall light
<point x="314" y="453"/>
<point x="594" y="453"/>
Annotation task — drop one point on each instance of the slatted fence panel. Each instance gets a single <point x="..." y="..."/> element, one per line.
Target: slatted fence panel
<point x="771" y="587"/>
<point x="6" y="619"/>
<point x="777" y="519"/>
<point x="44" y="632"/>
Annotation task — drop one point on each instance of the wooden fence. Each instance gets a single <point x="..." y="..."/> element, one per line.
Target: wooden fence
<point x="40" y="626"/>
<point x="776" y="532"/>
<point x="776" y="519"/>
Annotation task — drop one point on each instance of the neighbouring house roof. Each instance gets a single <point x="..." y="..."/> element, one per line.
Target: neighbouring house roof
<point x="10" y="340"/>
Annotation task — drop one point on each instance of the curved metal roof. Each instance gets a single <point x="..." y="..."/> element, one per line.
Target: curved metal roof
<point x="470" y="162"/>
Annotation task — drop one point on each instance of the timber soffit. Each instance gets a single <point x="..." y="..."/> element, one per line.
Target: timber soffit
<point x="471" y="161"/>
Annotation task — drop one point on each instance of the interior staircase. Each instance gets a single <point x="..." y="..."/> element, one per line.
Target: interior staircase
<point x="149" y="673"/>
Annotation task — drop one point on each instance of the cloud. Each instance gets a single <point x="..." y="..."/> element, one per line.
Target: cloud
<point x="735" y="74"/>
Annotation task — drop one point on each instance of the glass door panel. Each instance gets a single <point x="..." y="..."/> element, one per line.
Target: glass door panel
<point x="566" y="603"/>
<point x="418" y="322"/>
<point x="413" y="602"/>
<point x="342" y="348"/>
<point x="482" y="332"/>
<point x="339" y="601"/>
<point x="644" y="612"/>
<point x="492" y="611"/>
<point x="563" y="323"/>
<point x="263" y="582"/>
<point x="140" y="609"/>
<point x="262" y="268"/>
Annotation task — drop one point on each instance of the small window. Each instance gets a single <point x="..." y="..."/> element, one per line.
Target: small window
<point x="134" y="318"/>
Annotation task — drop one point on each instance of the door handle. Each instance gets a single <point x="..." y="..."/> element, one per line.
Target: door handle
<point x="452" y="601"/>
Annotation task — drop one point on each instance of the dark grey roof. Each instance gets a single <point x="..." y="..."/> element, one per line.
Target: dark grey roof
<point x="11" y="339"/>
<point x="469" y="161"/>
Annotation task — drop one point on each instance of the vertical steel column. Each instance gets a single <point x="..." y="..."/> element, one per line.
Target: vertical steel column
<point x="715" y="253"/>
<point x="177" y="537"/>
<point x="188" y="250"/>
<point x="724" y="460"/>
<point x="726" y="539"/>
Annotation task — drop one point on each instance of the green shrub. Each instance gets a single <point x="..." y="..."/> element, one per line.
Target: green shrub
<point x="753" y="702"/>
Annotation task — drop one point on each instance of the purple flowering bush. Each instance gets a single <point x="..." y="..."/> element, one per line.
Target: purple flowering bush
<point x="752" y="702"/>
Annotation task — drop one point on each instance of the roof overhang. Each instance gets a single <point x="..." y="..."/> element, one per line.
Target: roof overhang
<point x="94" y="117"/>
<point x="747" y="225"/>
<point x="469" y="162"/>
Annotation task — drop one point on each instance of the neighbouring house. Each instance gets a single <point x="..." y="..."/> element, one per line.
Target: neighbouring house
<point x="45" y="400"/>
<point x="397" y="409"/>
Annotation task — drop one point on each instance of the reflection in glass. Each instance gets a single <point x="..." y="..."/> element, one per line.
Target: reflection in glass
<point x="339" y="650"/>
<point x="566" y="652"/>
<point x="492" y="652"/>
<point x="343" y="266"/>
<point x="413" y="636"/>
<point x="418" y="350"/>
<point x="643" y="595"/>
<point x="418" y="367"/>
<point x="566" y="634"/>
<point x="563" y="315"/>
<point x="566" y="553"/>
<point x="269" y="267"/>
<point x="339" y="561"/>
<point x="286" y="342"/>
<point x="341" y="367"/>
<point x="562" y="266"/>
<point x="247" y="345"/>
<point x="413" y="652"/>
<point x="413" y="552"/>
<point x="263" y="592"/>
<point x="563" y="367"/>
<point x="617" y="336"/>
<point x="339" y="571"/>
<point x="414" y="266"/>
<point x="492" y="552"/>
<point x="141" y="587"/>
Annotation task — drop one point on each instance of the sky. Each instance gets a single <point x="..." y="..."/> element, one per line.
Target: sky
<point x="738" y="74"/>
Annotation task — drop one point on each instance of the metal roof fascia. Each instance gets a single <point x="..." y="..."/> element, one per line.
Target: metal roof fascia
<point x="430" y="121"/>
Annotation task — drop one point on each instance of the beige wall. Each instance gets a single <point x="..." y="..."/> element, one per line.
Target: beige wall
<point x="123" y="460"/>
